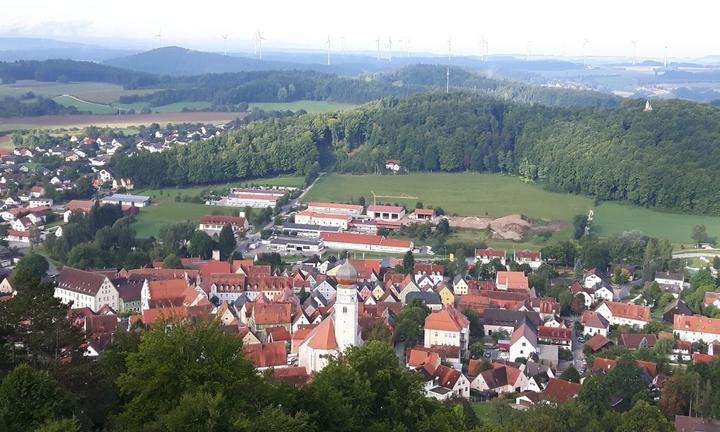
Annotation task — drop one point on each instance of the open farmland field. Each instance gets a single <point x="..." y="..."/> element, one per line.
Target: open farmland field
<point x="102" y="93"/>
<point x="83" y="105"/>
<point x="165" y="210"/>
<point x="467" y="194"/>
<point x="614" y="217"/>
<point x="125" y="120"/>
<point x="308" y="105"/>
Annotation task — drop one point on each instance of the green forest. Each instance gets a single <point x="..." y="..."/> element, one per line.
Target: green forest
<point x="668" y="158"/>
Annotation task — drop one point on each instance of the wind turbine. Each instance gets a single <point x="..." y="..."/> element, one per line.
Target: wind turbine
<point x="258" y="44"/>
<point x="665" y="57"/>
<point x="378" y="48"/>
<point x="224" y="37"/>
<point x="159" y="38"/>
<point x="447" y="71"/>
<point x="328" y="50"/>
<point x="389" y="47"/>
<point x="528" y="45"/>
<point x="483" y="48"/>
<point x="407" y="47"/>
<point x="634" y="44"/>
<point x="586" y="42"/>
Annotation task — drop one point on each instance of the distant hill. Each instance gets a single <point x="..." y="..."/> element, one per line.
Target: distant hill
<point x="14" y="49"/>
<point x="182" y="61"/>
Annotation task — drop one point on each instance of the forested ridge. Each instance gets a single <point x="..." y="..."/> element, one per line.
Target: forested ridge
<point x="667" y="158"/>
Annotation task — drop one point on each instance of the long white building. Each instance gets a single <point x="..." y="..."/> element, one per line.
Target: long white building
<point x="86" y="289"/>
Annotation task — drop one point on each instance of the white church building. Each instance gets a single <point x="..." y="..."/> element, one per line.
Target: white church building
<point x="338" y="331"/>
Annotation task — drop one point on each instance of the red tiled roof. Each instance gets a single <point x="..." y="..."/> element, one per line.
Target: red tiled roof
<point x="366" y="239"/>
<point x="702" y="358"/>
<point x="272" y="313"/>
<point x="385" y="208"/>
<point x="317" y="215"/>
<point x="425" y="212"/>
<point x="597" y="342"/>
<point x="222" y="220"/>
<point x="278" y="334"/>
<point x="629" y="310"/>
<point x="355" y="207"/>
<point x="696" y="323"/>
<point x="555" y="333"/>
<point x="79" y="281"/>
<point x="513" y="280"/>
<point x="446" y="319"/>
<point x="266" y="354"/>
<point x="295" y="376"/>
<point x="323" y="336"/>
<point x="560" y="390"/>
<point x="447" y="376"/>
<point x="429" y="268"/>
<point x="496" y="253"/>
<point x="529" y="255"/>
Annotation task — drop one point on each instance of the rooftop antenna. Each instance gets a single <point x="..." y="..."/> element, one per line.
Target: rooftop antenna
<point x="634" y="44"/>
<point x="224" y="37"/>
<point x="378" y="48"/>
<point x="586" y="42"/>
<point x="328" y="50"/>
<point x="159" y="38"/>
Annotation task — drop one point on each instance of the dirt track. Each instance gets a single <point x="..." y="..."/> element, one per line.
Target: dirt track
<point x="126" y="119"/>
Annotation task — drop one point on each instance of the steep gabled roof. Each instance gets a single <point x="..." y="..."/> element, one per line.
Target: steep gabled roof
<point x="558" y="390"/>
<point x="323" y="336"/>
<point x="80" y="281"/>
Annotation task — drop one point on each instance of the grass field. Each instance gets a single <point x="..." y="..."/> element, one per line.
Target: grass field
<point x="467" y="194"/>
<point x="308" y="105"/>
<point x="103" y="93"/>
<point x="118" y="121"/>
<point x="85" y="106"/>
<point x="164" y="210"/>
<point x="613" y="217"/>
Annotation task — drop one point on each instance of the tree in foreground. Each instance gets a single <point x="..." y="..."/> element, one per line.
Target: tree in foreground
<point x="29" y="398"/>
<point x="644" y="417"/>
<point x="187" y="369"/>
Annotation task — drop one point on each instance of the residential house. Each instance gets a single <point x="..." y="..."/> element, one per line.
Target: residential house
<point x="447" y="327"/>
<point x="593" y="278"/>
<point x="213" y="224"/>
<point x="429" y="298"/>
<point x="677" y="307"/>
<point x="595" y="324"/>
<point x="433" y="271"/>
<point x="531" y="258"/>
<point x="448" y="383"/>
<point x="634" y="341"/>
<point x="512" y="281"/>
<point x="558" y="390"/>
<point x="624" y="314"/>
<point x="695" y="328"/>
<point x="671" y="282"/>
<point x="555" y="336"/>
<point x="500" y="378"/>
<point x="496" y="320"/>
<point x="524" y="341"/>
<point x="485" y="256"/>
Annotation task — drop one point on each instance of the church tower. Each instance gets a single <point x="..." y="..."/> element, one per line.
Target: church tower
<point x="346" y="307"/>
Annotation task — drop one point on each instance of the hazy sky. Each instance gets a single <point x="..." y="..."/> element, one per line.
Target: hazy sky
<point x="558" y="27"/>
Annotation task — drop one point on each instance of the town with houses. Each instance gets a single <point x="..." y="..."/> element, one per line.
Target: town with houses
<point x="293" y="319"/>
